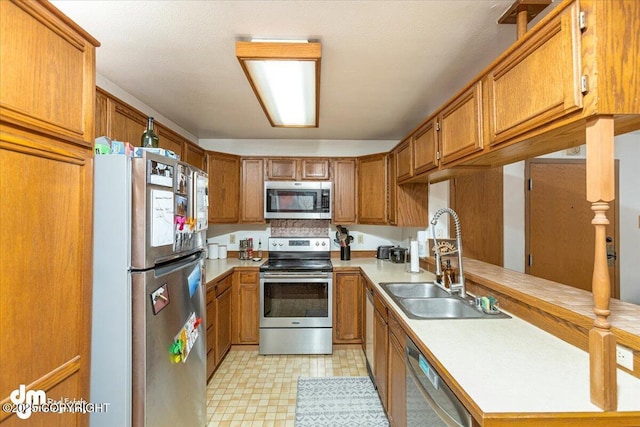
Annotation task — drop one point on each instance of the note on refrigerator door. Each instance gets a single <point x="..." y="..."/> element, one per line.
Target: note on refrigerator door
<point x="162" y="212"/>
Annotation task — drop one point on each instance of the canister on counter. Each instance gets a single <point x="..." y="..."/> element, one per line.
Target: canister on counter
<point x="213" y="251"/>
<point x="222" y="251"/>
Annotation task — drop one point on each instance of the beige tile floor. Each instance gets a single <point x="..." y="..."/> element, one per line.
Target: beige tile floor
<point x="253" y="390"/>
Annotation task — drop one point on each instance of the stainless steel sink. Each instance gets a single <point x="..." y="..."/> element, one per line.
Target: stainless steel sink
<point x="415" y="290"/>
<point x="429" y="301"/>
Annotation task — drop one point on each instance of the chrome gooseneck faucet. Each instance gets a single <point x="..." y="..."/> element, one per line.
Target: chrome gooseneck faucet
<point x="458" y="285"/>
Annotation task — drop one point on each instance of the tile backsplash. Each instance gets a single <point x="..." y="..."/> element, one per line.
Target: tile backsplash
<point x="300" y="228"/>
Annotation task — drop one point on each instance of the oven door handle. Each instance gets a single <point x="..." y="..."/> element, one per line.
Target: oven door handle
<point x="296" y="275"/>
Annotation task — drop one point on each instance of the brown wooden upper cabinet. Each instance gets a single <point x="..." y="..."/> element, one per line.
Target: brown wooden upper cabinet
<point x="461" y="125"/>
<point x="392" y="189"/>
<point x="344" y="191"/>
<point x="124" y="123"/>
<point x="372" y="184"/>
<point x="252" y="191"/>
<point x="538" y="82"/>
<point x="295" y="169"/>
<point x="224" y="187"/>
<point x="404" y="160"/>
<point x="168" y="139"/>
<point x="195" y="155"/>
<point x="425" y="148"/>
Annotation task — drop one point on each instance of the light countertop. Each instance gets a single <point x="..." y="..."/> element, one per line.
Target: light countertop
<point x="504" y="365"/>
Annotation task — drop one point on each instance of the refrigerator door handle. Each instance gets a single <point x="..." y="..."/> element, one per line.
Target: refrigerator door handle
<point x="169" y="268"/>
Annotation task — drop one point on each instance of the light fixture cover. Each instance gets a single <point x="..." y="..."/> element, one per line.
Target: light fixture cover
<point x="285" y="76"/>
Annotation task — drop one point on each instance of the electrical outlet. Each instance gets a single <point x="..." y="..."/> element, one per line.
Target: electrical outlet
<point x="624" y="357"/>
<point x="232" y="238"/>
<point x="439" y="233"/>
<point x="360" y="239"/>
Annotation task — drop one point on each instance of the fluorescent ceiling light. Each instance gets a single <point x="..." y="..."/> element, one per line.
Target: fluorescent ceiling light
<point x="285" y="76"/>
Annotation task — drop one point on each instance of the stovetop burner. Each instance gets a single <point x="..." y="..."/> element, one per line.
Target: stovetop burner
<point x="297" y="265"/>
<point x="296" y="254"/>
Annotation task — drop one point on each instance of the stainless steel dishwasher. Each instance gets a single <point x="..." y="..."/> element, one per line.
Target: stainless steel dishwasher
<point x="430" y="402"/>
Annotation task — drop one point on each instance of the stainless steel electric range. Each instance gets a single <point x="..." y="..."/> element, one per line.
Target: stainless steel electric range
<point x="296" y="288"/>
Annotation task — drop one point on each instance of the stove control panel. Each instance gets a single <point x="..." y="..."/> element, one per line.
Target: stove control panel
<point x="299" y="244"/>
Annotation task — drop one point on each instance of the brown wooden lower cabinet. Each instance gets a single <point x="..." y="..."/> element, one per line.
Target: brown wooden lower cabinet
<point x="396" y="386"/>
<point x="381" y="345"/>
<point x="347" y="308"/>
<point x="218" y="321"/>
<point x="245" y="324"/>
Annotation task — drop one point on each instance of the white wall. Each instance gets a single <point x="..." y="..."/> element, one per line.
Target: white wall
<point x="513" y="211"/>
<point x="297" y="147"/>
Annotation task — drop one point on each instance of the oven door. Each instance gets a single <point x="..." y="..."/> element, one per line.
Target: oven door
<point x="296" y="300"/>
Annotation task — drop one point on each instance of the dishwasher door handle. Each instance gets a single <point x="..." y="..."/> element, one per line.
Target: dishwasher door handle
<point x="444" y="416"/>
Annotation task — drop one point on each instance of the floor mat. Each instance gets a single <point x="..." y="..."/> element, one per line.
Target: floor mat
<point x="338" y="401"/>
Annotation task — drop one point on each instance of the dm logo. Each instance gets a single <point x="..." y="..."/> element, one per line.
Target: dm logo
<point x="26" y="400"/>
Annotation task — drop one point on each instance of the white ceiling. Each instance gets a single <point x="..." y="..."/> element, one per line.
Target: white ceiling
<point x="385" y="64"/>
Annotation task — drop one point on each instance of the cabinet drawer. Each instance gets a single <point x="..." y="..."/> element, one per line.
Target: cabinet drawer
<point x="223" y="286"/>
<point x="250" y="277"/>
<point x="396" y="329"/>
<point x="380" y="306"/>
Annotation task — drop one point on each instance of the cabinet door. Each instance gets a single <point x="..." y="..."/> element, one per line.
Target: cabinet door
<point x="344" y="191"/>
<point x="461" y="125"/>
<point x="347" y="308"/>
<point x="223" y="325"/>
<point x="392" y="190"/>
<point x="425" y="148"/>
<point x="281" y="169"/>
<point x="252" y="191"/>
<point x="195" y="155"/>
<point x="102" y="106"/>
<point x="315" y="169"/>
<point x="538" y="82"/>
<point x="380" y="344"/>
<point x="169" y="140"/>
<point x="47" y="72"/>
<point x="47" y="87"/>
<point x="404" y="160"/>
<point x="211" y="329"/>
<point x="245" y="325"/>
<point x="397" y="401"/>
<point x="224" y="188"/>
<point x="372" y="183"/>
<point x="127" y="124"/>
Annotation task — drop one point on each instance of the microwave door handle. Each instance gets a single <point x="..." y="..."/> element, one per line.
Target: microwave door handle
<point x="446" y="418"/>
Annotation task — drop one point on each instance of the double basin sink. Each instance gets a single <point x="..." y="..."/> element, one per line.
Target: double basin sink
<point x="427" y="300"/>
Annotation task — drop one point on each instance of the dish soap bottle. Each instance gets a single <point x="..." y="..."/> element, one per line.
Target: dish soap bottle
<point x="149" y="138"/>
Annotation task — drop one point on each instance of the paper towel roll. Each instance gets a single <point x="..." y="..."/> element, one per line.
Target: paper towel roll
<point x="415" y="264"/>
<point x="213" y="251"/>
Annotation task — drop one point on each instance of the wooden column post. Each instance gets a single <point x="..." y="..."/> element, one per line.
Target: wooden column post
<point x="600" y="191"/>
<point x="522" y="19"/>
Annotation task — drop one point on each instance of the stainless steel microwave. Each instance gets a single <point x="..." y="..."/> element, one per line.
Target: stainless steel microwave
<point x="297" y="200"/>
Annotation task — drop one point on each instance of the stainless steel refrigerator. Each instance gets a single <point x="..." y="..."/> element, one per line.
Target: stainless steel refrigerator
<point x="148" y="356"/>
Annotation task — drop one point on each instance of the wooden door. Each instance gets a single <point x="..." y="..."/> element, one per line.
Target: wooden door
<point x="245" y="300"/>
<point x="477" y="199"/>
<point x="126" y="124"/>
<point x="380" y="344"/>
<point x="425" y="147"/>
<point x="169" y="140"/>
<point x="315" y="169"/>
<point x="223" y="323"/>
<point x="372" y="182"/>
<point x="211" y="330"/>
<point x="404" y="160"/>
<point x="224" y="187"/>
<point x="559" y="235"/>
<point x="461" y="125"/>
<point x="392" y="189"/>
<point x="252" y="191"/>
<point x="347" y="308"/>
<point x="282" y="169"/>
<point x="195" y="155"/>
<point x="344" y="191"/>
